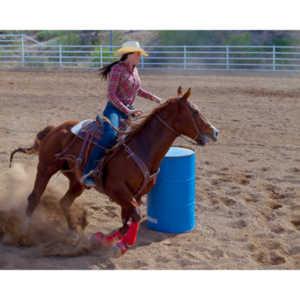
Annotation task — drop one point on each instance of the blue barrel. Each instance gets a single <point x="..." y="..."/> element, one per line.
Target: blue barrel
<point x="171" y="202"/>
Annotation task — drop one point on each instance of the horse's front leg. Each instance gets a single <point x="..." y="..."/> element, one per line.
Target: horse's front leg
<point x="102" y="239"/>
<point x="125" y="236"/>
<point x="129" y="237"/>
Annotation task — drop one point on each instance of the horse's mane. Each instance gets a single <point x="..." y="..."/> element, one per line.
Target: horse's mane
<point x="137" y="126"/>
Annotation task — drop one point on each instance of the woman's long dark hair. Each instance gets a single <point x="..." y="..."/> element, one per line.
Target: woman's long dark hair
<point x="104" y="72"/>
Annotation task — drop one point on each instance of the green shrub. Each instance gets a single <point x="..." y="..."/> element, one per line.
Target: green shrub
<point x="68" y="38"/>
<point x="238" y="39"/>
<point x="46" y="35"/>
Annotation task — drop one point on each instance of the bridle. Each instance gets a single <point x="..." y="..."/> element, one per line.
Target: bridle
<point x="176" y="133"/>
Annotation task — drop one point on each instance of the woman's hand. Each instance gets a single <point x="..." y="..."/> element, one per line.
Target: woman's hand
<point x="157" y="100"/>
<point x="135" y="113"/>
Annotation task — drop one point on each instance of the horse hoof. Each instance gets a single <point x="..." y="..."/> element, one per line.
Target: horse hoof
<point x="120" y="249"/>
<point x="75" y="235"/>
<point x="96" y="239"/>
<point x="24" y="241"/>
<point x="74" y="238"/>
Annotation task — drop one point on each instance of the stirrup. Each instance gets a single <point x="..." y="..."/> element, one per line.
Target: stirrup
<point x="89" y="182"/>
<point x="83" y="177"/>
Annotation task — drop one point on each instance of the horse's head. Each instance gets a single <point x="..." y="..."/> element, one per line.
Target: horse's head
<point x="190" y="122"/>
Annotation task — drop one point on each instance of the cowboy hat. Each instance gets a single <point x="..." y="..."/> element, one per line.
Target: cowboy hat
<point x="128" y="47"/>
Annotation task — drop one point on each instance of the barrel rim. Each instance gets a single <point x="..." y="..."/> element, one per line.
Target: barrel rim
<point x="192" y="152"/>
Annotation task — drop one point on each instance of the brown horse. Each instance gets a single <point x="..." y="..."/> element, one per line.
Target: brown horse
<point x="129" y="172"/>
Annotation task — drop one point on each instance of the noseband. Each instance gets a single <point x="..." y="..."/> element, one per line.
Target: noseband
<point x="198" y="135"/>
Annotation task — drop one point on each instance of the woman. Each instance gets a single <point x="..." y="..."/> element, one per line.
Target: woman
<point x="123" y="85"/>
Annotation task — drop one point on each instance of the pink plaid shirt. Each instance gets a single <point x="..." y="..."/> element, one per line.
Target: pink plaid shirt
<point x="124" y="85"/>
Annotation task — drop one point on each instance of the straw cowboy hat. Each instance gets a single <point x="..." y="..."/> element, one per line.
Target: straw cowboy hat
<point x="128" y="47"/>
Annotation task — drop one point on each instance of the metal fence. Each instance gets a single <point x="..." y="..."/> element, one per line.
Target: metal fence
<point x="23" y="51"/>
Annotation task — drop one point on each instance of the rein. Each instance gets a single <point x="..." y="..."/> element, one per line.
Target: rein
<point x="167" y="125"/>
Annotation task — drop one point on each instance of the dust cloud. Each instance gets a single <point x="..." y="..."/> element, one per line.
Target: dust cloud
<point x="48" y="227"/>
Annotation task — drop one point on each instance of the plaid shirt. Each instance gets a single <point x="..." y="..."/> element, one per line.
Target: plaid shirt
<point x="124" y="85"/>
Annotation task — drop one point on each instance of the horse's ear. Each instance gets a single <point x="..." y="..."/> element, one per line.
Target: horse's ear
<point x="179" y="91"/>
<point x="186" y="95"/>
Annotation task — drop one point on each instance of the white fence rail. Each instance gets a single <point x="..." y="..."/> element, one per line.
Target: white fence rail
<point x="23" y="51"/>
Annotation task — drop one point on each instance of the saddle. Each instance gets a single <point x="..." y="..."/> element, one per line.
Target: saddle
<point x="89" y="130"/>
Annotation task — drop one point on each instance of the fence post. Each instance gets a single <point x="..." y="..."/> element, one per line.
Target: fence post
<point x="23" y="51"/>
<point x="227" y="58"/>
<point x="184" y="57"/>
<point x="101" y="57"/>
<point x="142" y="62"/>
<point x="60" y="56"/>
<point x="274" y="58"/>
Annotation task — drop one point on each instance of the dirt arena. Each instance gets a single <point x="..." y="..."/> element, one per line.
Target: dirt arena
<point x="247" y="184"/>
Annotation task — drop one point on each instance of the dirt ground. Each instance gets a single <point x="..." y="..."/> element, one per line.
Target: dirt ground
<point x="247" y="184"/>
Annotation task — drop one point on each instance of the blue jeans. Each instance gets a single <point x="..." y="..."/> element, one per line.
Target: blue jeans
<point x="108" y="138"/>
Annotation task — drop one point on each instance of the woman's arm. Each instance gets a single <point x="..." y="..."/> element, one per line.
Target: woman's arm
<point x="147" y="95"/>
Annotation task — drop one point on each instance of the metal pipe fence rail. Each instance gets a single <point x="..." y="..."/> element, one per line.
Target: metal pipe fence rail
<point x="23" y="51"/>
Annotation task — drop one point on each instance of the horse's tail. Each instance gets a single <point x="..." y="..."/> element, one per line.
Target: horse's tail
<point x="35" y="148"/>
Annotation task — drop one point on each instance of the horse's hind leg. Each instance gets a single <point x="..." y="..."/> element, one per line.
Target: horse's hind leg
<point x="42" y="178"/>
<point x="74" y="191"/>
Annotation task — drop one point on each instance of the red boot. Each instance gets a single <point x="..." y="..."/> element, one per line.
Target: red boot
<point x="99" y="238"/>
<point x="130" y="236"/>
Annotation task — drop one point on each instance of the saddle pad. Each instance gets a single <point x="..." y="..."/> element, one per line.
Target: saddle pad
<point x="76" y="129"/>
<point x="90" y="129"/>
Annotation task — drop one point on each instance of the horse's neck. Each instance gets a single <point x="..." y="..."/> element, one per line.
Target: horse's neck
<point x="152" y="143"/>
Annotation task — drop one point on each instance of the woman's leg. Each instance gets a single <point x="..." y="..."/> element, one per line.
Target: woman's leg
<point x="107" y="140"/>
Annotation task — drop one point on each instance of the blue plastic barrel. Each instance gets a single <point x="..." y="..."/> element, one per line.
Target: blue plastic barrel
<point x="171" y="202"/>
